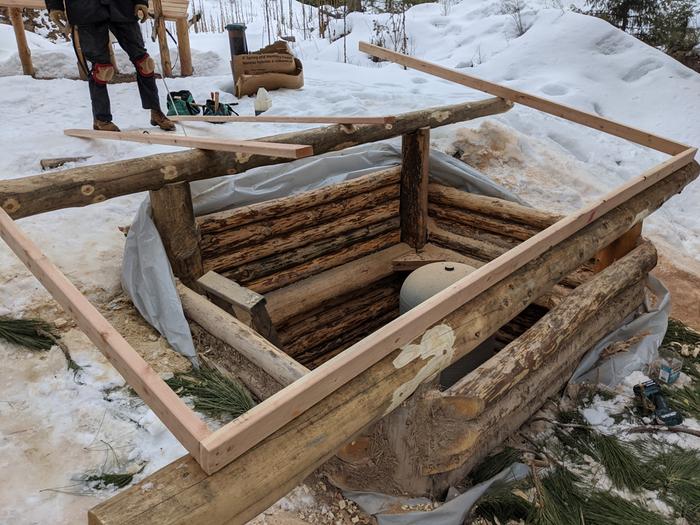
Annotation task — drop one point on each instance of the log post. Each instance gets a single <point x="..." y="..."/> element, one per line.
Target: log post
<point x="166" y="64"/>
<point x="618" y="248"/>
<point x="173" y="215"/>
<point x="255" y="480"/>
<point x="183" y="46"/>
<point x="415" y="152"/>
<point x="25" y="55"/>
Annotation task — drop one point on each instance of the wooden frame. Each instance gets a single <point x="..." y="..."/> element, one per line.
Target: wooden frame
<point x="284" y="119"/>
<point x="172" y="10"/>
<point x="213" y="450"/>
<point x="251" y="147"/>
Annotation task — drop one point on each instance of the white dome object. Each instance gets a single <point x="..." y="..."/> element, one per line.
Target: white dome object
<point x="428" y="280"/>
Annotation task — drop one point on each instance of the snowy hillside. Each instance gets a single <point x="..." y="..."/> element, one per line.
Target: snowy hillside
<point x="553" y="164"/>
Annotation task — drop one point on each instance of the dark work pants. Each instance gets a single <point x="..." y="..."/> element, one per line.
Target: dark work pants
<point x="94" y="41"/>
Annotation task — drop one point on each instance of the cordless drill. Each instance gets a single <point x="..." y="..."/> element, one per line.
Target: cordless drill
<point x="653" y="403"/>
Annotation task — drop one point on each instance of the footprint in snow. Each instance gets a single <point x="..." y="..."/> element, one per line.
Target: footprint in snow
<point x="642" y="69"/>
<point x="554" y="90"/>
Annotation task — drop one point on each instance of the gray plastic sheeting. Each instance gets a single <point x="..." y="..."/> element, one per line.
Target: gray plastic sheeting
<point x="453" y="512"/>
<point x="146" y="274"/>
<point x="651" y="321"/>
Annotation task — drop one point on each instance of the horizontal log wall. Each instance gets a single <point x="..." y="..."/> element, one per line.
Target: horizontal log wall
<point x="314" y="336"/>
<point x="486" y="227"/>
<point x="275" y="243"/>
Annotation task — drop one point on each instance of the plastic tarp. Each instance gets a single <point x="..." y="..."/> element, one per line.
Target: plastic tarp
<point x="649" y="325"/>
<point x="146" y="273"/>
<point x="453" y="512"/>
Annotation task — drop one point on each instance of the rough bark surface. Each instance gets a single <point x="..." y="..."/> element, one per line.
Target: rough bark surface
<point x="173" y="216"/>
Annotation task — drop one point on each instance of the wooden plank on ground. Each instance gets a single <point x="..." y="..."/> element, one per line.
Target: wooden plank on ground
<point x="170" y="409"/>
<point x="284" y="119"/>
<point x="240" y="435"/>
<point x="547" y="106"/>
<point x="252" y="147"/>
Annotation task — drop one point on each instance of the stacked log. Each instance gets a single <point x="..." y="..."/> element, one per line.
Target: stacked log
<point x="478" y="412"/>
<point x="273" y="244"/>
<point x="316" y="335"/>
<point x="487" y="227"/>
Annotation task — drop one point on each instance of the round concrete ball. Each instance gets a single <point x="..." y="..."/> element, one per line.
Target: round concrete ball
<point x="428" y="280"/>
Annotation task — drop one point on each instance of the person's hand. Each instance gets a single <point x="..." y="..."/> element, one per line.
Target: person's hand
<point x="58" y="17"/>
<point x="141" y="12"/>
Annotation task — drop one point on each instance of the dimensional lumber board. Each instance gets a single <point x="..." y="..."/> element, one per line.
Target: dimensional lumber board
<point x="170" y="409"/>
<point x="284" y="119"/>
<point x="547" y="106"/>
<point x="238" y="436"/>
<point x="252" y="147"/>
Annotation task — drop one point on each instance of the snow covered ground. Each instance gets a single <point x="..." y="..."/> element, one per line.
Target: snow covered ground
<point x="570" y="58"/>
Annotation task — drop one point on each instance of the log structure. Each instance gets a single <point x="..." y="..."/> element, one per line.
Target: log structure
<point x="273" y="244"/>
<point x="231" y="495"/>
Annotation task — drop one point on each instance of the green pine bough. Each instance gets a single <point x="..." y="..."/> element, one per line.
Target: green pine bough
<point x="31" y="333"/>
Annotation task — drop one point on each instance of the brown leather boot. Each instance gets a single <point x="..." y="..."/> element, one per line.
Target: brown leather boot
<point x="101" y="125"/>
<point x="160" y="120"/>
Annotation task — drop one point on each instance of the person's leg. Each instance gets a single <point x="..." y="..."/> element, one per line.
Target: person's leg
<point x="94" y="39"/>
<point x="128" y="34"/>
